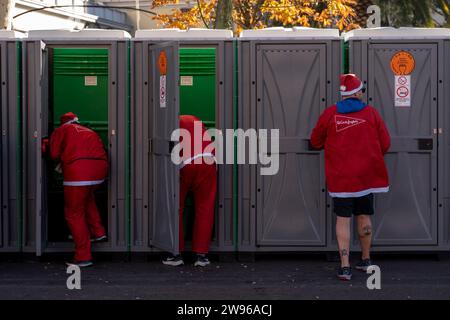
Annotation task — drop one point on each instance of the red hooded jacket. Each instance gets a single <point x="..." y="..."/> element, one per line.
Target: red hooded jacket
<point x="81" y="153"/>
<point x="355" y="144"/>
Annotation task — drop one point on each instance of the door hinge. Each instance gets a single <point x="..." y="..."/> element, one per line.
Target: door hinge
<point x="150" y="146"/>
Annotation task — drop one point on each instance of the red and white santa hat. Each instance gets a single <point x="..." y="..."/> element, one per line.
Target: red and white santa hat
<point x="69" y="117"/>
<point x="350" y="84"/>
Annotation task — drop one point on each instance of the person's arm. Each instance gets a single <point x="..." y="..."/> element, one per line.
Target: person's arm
<point x="383" y="133"/>
<point x="56" y="143"/>
<point x="319" y="133"/>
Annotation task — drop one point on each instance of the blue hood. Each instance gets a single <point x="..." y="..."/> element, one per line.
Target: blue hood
<point x="350" y="105"/>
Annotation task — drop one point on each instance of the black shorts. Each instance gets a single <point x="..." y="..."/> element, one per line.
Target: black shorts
<point x="346" y="207"/>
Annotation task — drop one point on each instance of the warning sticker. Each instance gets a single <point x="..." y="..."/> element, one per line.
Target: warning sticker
<point x="162" y="63"/>
<point x="402" y="91"/>
<point x="403" y="63"/>
<point x="90" y="81"/>
<point x="187" y="81"/>
<point x="162" y="91"/>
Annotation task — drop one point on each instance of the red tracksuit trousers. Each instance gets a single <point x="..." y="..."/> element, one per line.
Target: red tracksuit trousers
<point x="83" y="218"/>
<point x="201" y="179"/>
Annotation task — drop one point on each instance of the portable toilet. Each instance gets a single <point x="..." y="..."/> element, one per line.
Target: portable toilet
<point x="197" y="80"/>
<point x="287" y="77"/>
<point x="406" y="72"/>
<point x="85" y="72"/>
<point x="10" y="143"/>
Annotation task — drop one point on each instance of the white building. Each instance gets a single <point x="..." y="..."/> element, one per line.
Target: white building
<point x="79" y="14"/>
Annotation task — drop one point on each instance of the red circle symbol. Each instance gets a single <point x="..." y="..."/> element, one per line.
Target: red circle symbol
<point x="402" y="92"/>
<point x="402" y="80"/>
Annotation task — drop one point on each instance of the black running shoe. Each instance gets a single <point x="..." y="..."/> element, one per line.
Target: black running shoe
<point x="345" y="273"/>
<point x="173" y="260"/>
<point x="363" y="265"/>
<point x="202" y="261"/>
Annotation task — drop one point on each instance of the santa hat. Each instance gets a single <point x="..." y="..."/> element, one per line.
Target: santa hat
<point x="69" y="117"/>
<point x="350" y="84"/>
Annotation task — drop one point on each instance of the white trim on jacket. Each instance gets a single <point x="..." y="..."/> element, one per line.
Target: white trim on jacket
<point x="82" y="183"/>
<point x="201" y="155"/>
<point x="359" y="193"/>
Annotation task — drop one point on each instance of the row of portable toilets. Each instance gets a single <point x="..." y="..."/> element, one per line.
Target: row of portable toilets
<point x="131" y="91"/>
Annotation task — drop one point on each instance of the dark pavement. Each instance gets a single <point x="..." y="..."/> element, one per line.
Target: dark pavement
<point x="272" y="277"/>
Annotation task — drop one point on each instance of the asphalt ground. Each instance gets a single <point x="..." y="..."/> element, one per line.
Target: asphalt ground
<point x="267" y="277"/>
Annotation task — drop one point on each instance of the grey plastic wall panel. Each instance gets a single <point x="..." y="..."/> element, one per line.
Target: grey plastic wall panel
<point x="33" y="97"/>
<point x="142" y="213"/>
<point x="291" y="88"/>
<point x="407" y="215"/>
<point x="246" y="120"/>
<point x="140" y="155"/>
<point x="9" y="166"/>
<point x="281" y="85"/>
<point x="444" y="122"/>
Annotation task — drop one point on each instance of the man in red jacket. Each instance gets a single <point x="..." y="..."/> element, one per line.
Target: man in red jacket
<point x="198" y="174"/>
<point x="84" y="164"/>
<point x="355" y="140"/>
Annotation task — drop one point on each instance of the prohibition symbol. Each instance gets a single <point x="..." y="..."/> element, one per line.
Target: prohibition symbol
<point x="402" y="92"/>
<point x="402" y="80"/>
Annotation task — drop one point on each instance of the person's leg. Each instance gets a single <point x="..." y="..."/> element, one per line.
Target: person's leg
<point x="94" y="221"/>
<point x="75" y="203"/>
<point x="204" y="188"/>
<point x="185" y="182"/>
<point x="363" y="210"/>
<point x="365" y="234"/>
<point x="343" y="238"/>
<point x="343" y="208"/>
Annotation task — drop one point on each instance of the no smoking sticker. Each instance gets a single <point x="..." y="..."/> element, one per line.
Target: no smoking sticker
<point x="402" y="91"/>
<point x="162" y="92"/>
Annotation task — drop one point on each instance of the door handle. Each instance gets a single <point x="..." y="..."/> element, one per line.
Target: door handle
<point x="425" y="144"/>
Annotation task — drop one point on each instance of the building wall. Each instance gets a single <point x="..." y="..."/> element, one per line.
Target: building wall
<point x="66" y="18"/>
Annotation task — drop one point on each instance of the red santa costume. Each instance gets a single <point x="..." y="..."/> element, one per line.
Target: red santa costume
<point x="199" y="175"/>
<point x="355" y="140"/>
<point x="85" y="166"/>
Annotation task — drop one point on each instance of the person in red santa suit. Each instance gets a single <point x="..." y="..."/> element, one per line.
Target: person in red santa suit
<point x="84" y="163"/>
<point x="198" y="174"/>
<point x="355" y="140"/>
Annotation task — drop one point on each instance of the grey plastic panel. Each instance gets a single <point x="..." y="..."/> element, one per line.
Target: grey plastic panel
<point x="291" y="85"/>
<point x="10" y="146"/>
<point x="407" y="215"/>
<point x="35" y="98"/>
<point x="165" y="188"/>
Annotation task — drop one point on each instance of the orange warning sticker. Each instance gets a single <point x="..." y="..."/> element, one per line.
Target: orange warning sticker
<point x="162" y="62"/>
<point x="403" y="63"/>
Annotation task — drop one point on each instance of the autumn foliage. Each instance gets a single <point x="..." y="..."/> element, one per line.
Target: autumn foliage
<point x="256" y="14"/>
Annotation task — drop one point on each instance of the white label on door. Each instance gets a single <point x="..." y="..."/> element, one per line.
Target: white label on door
<point x="90" y="81"/>
<point x="187" y="81"/>
<point x="402" y="91"/>
<point x="162" y="91"/>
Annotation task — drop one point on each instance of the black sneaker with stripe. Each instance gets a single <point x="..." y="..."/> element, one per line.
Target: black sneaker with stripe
<point x="345" y="273"/>
<point x="363" y="265"/>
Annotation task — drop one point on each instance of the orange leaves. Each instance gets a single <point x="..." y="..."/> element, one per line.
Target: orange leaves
<point x="255" y="14"/>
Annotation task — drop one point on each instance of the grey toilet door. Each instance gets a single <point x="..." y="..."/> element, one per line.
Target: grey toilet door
<point x="41" y="75"/>
<point x="291" y="93"/>
<point x="165" y="111"/>
<point x="3" y="184"/>
<point x="407" y="215"/>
